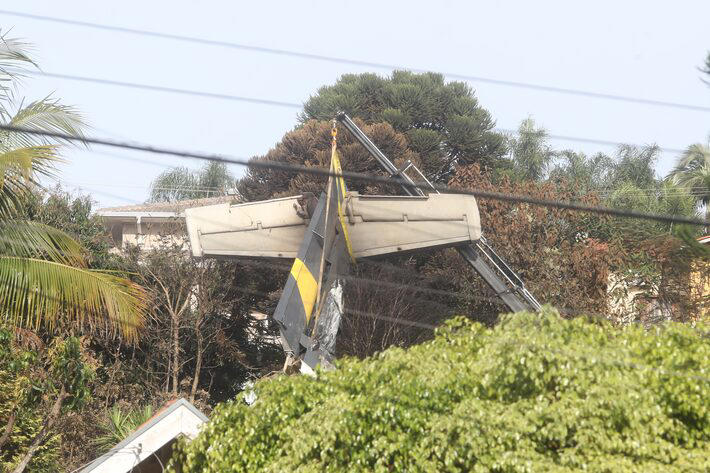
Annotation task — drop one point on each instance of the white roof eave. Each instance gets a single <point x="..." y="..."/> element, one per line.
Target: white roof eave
<point x="118" y="215"/>
<point x="180" y="403"/>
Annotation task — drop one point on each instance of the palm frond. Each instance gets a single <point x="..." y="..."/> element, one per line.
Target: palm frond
<point x="25" y="161"/>
<point x="14" y="57"/>
<point x="43" y="115"/>
<point x="17" y="174"/>
<point x="115" y="428"/>
<point x="11" y="197"/>
<point x="36" y="292"/>
<point x="119" y="424"/>
<point x="696" y="156"/>
<point x="14" y="61"/>
<point x="692" y="171"/>
<point x="36" y="240"/>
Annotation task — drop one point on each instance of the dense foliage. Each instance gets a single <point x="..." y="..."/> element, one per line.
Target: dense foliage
<point x="544" y="244"/>
<point x="535" y="393"/>
<point x="443" y="122"/>
<point x="309" y="145"/>
<point x="181" y="183"/>
<point x="37" y="384"/>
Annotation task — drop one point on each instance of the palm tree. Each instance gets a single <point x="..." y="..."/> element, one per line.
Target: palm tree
<point x="181" y="183"/>
<point x="119" y="424"/>
<point x="44" y="273"/>
<point x="692" y="171"/>
<point x="531" y="153"/>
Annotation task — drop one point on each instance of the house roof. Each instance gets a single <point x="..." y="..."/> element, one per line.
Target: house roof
<point x="176" y="207"/>
<point x="178" y="417"/>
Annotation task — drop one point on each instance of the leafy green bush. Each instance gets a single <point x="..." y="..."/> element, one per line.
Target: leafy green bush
<point x="535" y="393"/>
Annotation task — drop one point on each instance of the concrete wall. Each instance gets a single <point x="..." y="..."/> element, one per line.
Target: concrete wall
<point x="151" y="235"/>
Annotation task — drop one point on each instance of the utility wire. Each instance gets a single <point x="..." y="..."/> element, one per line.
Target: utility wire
<point x="173" y="90"/>
<point x="294" y="105"/>
<point x="362" y="177"/>
<point x="378" y="282"/>
<point x="355" y="62"/>
<point x="602" y="192"/>
<point x="388" y="266"/>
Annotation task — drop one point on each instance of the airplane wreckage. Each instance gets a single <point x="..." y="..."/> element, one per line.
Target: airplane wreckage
<point x="326" y="234"/>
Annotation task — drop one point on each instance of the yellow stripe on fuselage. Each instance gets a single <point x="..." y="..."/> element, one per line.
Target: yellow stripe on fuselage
<point x="340" y="186"/>
<point x="307" y="286"/>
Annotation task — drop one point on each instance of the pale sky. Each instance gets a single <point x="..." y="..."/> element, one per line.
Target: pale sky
<point x="645" y="49"/>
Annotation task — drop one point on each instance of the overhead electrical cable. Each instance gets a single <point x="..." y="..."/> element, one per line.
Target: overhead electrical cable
<point x="360" y="63"/>
<point x="361" y="177"/>
<point x="294" y="105"/>
<point x="172" y="90"/>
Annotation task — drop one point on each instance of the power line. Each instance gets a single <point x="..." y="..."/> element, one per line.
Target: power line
<point x="279" y="103"/>
<point x="172" y="90"/>
<point x="361" y="63"/>
<point x="133" y="159"/>
<point x="397" y="320"/>
<point x="362" y="177"/>
<point x="602" y="192"/>
<point x="380" y="283"/>
<point x="595" y="141"/>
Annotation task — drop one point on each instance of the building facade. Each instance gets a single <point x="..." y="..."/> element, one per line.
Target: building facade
<point x="150" y="226"/>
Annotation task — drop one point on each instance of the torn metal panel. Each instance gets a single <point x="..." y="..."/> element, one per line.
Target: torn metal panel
<point x="322" y="350"/>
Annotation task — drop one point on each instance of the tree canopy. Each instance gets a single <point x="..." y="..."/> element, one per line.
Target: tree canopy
<point x="443" y="121"/>
<point x="181" y="183"/>
<point x="692" y="171"/>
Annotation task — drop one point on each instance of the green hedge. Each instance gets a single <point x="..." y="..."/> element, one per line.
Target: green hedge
<point x="536" y="393"/>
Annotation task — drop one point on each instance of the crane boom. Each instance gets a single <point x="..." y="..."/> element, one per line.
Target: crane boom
<point x="479" y="254"/>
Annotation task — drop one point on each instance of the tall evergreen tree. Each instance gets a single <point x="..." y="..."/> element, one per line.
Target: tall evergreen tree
<point x="443" y="122"/>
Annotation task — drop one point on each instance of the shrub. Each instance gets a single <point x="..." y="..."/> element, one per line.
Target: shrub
<point x="535" y="393"/>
